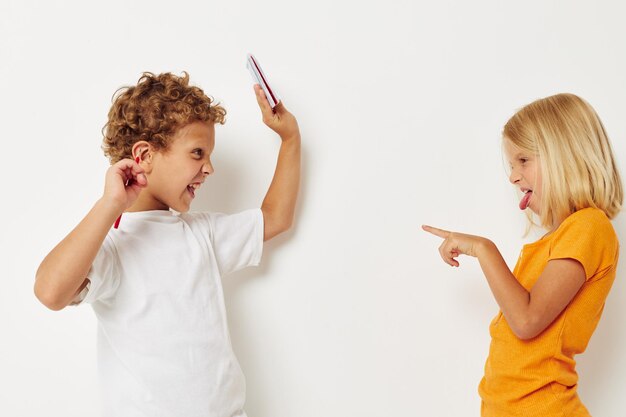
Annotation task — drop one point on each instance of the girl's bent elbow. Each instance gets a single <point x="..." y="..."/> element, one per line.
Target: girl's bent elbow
<point x="526" y="331"/>
<point x="524" y="335"/>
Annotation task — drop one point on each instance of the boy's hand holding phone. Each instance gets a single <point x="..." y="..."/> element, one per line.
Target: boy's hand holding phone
<point x="278" y="119"/>
<point x="275" y="115"/>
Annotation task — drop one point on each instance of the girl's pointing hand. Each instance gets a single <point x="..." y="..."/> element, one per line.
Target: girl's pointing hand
<point x="455" y="244"/>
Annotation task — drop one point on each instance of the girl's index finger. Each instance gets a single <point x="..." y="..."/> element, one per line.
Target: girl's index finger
<point x="437" y="232"/>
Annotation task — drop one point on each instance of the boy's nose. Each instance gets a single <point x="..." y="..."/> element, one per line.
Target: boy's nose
<point x="207" y="168"/>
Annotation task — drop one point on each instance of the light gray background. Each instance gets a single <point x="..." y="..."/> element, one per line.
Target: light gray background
<point x="400" y="103"/>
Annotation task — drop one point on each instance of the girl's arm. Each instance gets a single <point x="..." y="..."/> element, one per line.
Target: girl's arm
<point x="63" y="272"/>
<point x="527" y="313"/>
<point x="280" y="201"/>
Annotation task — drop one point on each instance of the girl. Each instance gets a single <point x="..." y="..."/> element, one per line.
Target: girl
<point x="562" y="162"/>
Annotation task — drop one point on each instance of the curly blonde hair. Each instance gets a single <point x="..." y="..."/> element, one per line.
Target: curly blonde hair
<point x="153" y="111"/>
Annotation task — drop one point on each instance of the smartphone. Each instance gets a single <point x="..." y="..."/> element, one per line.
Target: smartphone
<point x="259" y="77"/>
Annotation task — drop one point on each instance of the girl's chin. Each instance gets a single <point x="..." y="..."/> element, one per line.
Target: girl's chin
<point x="534" y="210"/>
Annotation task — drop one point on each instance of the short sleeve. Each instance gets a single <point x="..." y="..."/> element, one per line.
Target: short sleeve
<point x="103" y="275"/>
<point x="237" y="239"/>
<point x="588" y="237"/>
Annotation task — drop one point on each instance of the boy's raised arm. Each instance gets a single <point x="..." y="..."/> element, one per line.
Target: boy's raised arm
<point x="63" y="271"/>
<point x="280" y="201"/>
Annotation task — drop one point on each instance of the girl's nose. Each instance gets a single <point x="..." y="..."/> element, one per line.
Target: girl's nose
<point x="514" y="176"/>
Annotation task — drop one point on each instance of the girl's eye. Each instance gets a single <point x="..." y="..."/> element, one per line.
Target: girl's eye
<point x="197" y="152"/>
<point x="523" y="160"/>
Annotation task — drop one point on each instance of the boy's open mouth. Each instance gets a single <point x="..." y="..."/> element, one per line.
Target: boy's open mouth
<point x="193" y="187"/>
<point x="525" y="201"/>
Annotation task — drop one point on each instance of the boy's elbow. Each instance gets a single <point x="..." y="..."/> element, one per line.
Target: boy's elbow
<point x="276" y="229"/>
<point x="276" y="223"/>
<point x="285" y="224"/>
<point x="47" y="296"/>
<point x="50" y="302"/>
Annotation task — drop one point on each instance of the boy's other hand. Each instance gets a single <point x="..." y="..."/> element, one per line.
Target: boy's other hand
<point x="123" y="183"/>
<point x="278" y="119"/>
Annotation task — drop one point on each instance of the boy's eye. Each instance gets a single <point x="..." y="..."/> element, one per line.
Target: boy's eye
<point x="197" y="152"/>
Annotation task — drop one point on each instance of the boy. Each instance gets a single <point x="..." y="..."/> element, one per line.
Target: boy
<point x="154" y="282"/>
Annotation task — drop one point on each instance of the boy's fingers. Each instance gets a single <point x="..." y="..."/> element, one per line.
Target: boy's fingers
<point x="137" y="173"/>
<point x="131" y="172"/>
<point x="261" y="99"/>
<point x="129" y="167"/>
<point x="141" y="179"/>
<point x="437" y="232"/>
<point x="139" y="183"/>
<point x="136" y="168"/>
<point x="280" y="108"/>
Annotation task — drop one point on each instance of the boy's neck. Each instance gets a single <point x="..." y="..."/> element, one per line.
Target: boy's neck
<point x="145" y="203"/>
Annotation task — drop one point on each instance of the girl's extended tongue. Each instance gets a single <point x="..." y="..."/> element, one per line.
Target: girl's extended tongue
<point x="523" y="204"/>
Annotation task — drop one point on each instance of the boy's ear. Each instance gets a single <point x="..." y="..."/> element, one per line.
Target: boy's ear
<point x="144" y="151"/>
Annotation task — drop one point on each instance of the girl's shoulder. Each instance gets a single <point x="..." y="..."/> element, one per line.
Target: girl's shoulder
<point x="589" y="215"/>
<point x="589" y="221"/>
<point x="588" y="237"/>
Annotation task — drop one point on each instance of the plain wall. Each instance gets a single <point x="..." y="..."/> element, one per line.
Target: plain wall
<point x="400" y="105"/>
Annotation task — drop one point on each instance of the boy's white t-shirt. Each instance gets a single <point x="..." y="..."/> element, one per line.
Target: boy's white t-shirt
<point x="163" y="342"/>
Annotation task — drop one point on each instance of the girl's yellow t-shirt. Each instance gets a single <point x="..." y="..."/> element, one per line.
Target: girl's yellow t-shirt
<point x="537" y="377"/>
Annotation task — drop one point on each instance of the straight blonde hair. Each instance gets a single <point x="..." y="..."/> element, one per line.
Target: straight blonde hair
<point x="576" y="160"/>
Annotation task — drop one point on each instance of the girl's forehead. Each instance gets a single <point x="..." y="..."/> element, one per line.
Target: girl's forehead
<point x="511" y="150"/>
